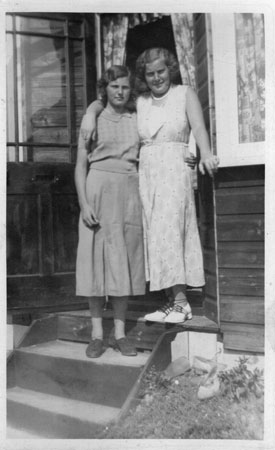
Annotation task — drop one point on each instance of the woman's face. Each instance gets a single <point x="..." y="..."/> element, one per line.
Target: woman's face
<point x="157" y="77"/>
<point x="118" y="92"/>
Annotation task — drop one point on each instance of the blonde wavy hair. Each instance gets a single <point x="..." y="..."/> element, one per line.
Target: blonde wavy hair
<point x="148" y="56"/>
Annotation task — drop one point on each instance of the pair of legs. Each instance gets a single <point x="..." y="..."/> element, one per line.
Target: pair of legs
<point x="120" y="342"/>
<point x="177" y="309"/>
<point x="96" y="305"/>
<point x="177" y="294"/>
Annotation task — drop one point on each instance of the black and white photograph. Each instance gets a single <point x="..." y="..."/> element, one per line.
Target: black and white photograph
<point x="137" y="232"/>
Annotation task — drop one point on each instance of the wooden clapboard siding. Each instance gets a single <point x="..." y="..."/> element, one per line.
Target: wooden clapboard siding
<point x="246" y="200"/>
<point x="241" y="228"/>
<point x="205" y="185"/>
<point x="232" y="226"/>
<point x="245" y="281"/>
<point x="240" y="236"/>
<point x="241" y="255"/>
<point x="22" y="235"/>
<point x="243" y="337"/>
<point x="65" y="222"/>
<point x="242" y="309"/>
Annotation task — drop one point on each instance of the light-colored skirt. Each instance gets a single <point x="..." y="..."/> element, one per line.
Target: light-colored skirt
<point x="172" y="243"/>
<point x="110" y="259"/>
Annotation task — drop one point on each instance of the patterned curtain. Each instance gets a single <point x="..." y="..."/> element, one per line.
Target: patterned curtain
<point x="250" y="50"/>
<point x="143" y="18"/>
<point x="183" y="29"/>
<point x="114" y="28"/>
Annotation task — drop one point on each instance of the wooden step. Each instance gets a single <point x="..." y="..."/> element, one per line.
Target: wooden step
<point x="55" y="416"/>
<point x="76" y="351"/>
<point x="62" y="368"/>
<point x="141" y="333"/>
<point x="144" y="335"/>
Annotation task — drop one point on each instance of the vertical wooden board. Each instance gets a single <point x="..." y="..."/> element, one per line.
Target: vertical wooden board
<point x="209" y="260"/>
<point x="47" y="256"/>
<point x="90" y="74"/>
<point x="199" y="27"/>
<point x="22" y="235"/>
<point x="204" y="96"/>
<point x="78" y="96"/>
<point x="207" y="235"/>
<point x="210" y="285"/>
<point x="210" y="307"/>
<point x="205" y="183"/>
<point x="206" y="199"/>
<point x="65" y="225"/>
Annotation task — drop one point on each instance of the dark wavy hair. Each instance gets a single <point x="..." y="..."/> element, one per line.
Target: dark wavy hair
<point x="112" y="74"/>
<point x="149" y="56"/>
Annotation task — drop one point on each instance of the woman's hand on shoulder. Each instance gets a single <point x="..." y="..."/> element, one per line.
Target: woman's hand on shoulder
<point x="88" y="124"/>
<point x="209" y="164"/>
<point x="88" y="216"/>
<point x="88" y="128"/>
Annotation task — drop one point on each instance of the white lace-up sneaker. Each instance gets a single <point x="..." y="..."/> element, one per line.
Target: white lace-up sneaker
<point x="179" y="314"/>
<point x="160" y="314"/>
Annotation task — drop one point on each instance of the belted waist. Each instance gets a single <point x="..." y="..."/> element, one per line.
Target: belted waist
<point x="152" y="142"/>
<point x="114" y="165"/>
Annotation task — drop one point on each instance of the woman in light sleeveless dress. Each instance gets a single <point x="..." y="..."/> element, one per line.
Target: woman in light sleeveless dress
<point x="165" y="114"/>
<point x="172" y="241"/>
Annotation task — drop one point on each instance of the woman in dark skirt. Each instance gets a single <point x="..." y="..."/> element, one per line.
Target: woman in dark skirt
<point x="110" y="255"/>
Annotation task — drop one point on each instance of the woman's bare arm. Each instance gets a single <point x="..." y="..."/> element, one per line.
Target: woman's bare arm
<point x="208" y="161"/>
<point x="87" y="212"/>
<point x="88" y="125"/>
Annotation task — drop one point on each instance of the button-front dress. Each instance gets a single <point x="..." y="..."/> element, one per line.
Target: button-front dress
<point x="110" y="259"/>
<point x="172" y="243"/>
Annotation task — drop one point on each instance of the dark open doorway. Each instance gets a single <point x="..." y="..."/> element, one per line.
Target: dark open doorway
<point x="153" y="34"/>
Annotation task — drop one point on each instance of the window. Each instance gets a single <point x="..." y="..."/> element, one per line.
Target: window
<point x="240" y="57"/>
<point x="46" y="86"/>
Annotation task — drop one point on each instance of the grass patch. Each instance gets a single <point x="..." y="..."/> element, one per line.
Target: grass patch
<point x="171" y="410"/>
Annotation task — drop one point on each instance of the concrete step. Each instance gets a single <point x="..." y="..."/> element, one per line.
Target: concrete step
<point x="62" y="368"/>
<point x="56" y="417"/>
<point x="20" y="433"/>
